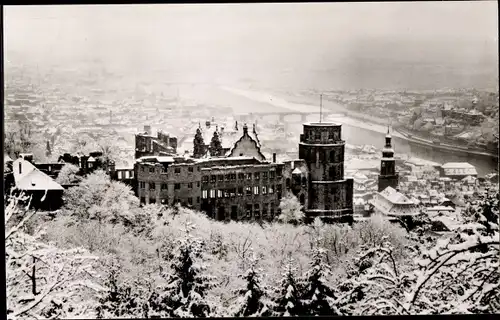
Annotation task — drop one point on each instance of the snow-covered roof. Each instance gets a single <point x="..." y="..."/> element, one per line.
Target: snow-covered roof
<point x="6" y="158"/>
<point x="29" y="178"/>
<point x="440" y="208"/>
<point x="296" y="171"/>
<point x="91" y="159"/>
<point x="457" y="165"/>
<point x="161" y="159"/>
<point x="395" y="197"/>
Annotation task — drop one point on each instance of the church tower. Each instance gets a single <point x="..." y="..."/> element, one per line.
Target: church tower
<point x="388" y="176"/>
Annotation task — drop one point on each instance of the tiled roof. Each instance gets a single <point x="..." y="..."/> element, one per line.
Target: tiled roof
<point x="30" y="178"/>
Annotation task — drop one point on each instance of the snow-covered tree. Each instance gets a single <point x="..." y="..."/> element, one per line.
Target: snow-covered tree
<point x="42" y="280"/>
<point x="184" y="295"/>
<point x="253" y="300"/>
<point x="291" y="210"/>
<point x="99" y="198"/>
<point x="69" y="175"/>
<point x="120" y="300"/>
<point x="318" y="297"/>
<point x="287" y="295"/>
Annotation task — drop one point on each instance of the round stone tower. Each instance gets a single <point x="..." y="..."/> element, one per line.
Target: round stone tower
<point x="330" y="195"/>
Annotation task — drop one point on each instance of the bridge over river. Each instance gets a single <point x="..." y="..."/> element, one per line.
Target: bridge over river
<point x="289" y="116"/>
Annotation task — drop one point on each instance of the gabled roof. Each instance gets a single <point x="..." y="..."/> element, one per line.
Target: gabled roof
<point x="252" y="136"/>
<point x="32" y="179"/>
<point x="395" y="197"/>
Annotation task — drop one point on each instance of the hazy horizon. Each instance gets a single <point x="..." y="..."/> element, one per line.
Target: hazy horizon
<point x="418" y="44"/>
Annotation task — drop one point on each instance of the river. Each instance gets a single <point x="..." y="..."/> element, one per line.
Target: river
<point x="357" y="132"/>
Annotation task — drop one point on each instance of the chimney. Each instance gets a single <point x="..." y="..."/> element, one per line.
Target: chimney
<point x="274" y="157"/>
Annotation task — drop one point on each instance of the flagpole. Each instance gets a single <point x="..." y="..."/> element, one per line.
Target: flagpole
<point x="320" y="107"/>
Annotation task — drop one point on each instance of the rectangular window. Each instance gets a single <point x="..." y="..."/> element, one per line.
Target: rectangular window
<point x="271" y="174"/>
<point x="142" y="169"/>
<point x="240" y="191"/>
<point x="131" y="174"/>
<point x="264" y="190"/>
<point x="205" y="179"/>
<point x="119" y="175"/>
<point x="143" y="200"/>
<point x="249" y="176"/>
<point x="190" y="201"/>
<point x="151" y="170"/>
<point x="152" y="200"/>
<point x="248" y="213"/>
<point x="248" y="191"/>
<point x="197" y="183"/>
<point x="271" y="210"/>
<point x="190" y="185"/>
<point x="190" y="169"/>
<point x="228" y="177"/>
<point x="241" y="176"/>
<point x="221" y="177"/>
<point x="164" y="186"/>
<point x="232" y="192"/>
<point x="177" y="186"/>
<point x="233" y="176"/>
<point x="212" y="194"/>
<point x="127" y="174"/>
<point x="264" y="175"/>
<point x="234" y="213"/>
<point x="271" y="189"/>
<point x="257" y="175"/>
<point x="197" y="199"/>
<point x="264" y="210"/>
<point x="204" y="194"/>
<point x="177" y="170"/>
<point x="278" y="172"/>
<point x="142" y="184"/>
<point x="256" y="190"/>
<point x="219" y="194"/>
<point x="151" y="186"/>
<point x="213" y="178"/>
<point x="256" y="211"/>
<point x="226" y="193"/>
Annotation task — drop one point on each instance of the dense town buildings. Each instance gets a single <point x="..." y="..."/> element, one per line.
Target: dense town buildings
<point x="148" y="145"/>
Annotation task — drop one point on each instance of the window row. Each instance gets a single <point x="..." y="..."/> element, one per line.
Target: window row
<point x="316" y="135"/>
<point x="240" y="192"/>
<point x="164" y="186"/>
<point x="243" y="176"/>
<point x="165" y="201"/>
<point x="177" y="170"/>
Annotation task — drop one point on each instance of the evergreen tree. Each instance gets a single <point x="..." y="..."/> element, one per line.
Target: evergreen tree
<point x="184" y="295"/>
<point x="118" y="301"/>
<point x="287" y="301"/>
<point x="199" y="144"/>
<point x="318" y="297"/>
<point x="215" y="146"/>
<point x="253" y="299"/>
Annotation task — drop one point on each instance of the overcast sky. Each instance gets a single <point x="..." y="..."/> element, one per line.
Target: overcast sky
<point x="260" y="35"/>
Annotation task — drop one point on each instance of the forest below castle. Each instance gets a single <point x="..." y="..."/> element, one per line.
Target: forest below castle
<point x="105" y="256"/>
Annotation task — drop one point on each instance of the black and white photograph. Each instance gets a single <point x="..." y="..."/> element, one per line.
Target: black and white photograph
<point x="185" y="160"/>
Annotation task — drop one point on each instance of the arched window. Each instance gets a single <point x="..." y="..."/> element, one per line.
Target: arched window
<point x="302" y="199"/>
<point x="331" y="173"/>
<point x="304" y="181"/>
